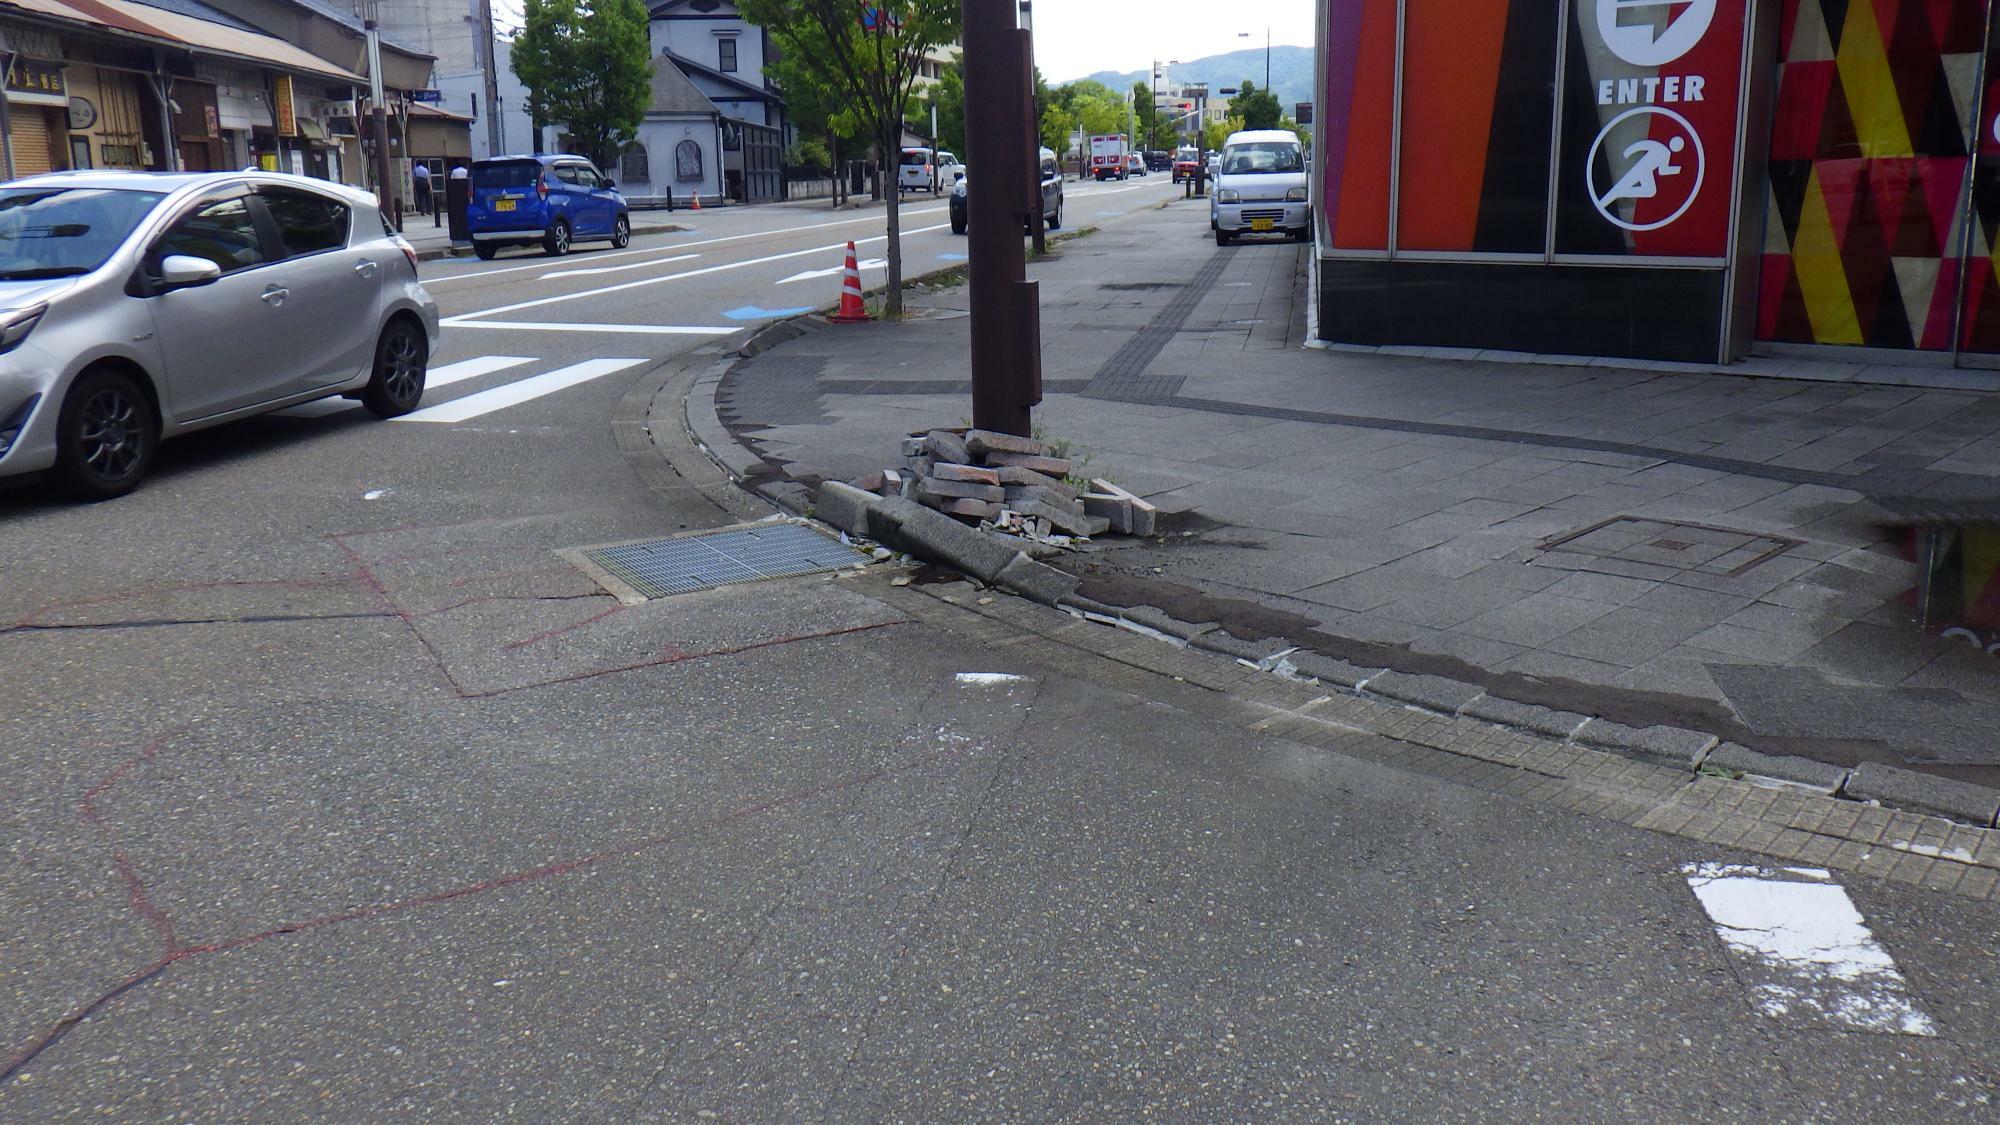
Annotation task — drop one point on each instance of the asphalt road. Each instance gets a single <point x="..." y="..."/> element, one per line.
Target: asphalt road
<point x="334" y="795"/>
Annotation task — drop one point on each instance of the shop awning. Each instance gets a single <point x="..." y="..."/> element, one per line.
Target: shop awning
<point x="185" y="32"/>
<point x="312" y="130"/>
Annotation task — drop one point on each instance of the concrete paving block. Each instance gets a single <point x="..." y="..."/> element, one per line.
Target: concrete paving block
<point x="1065" y="520"/>
<point x="1037" y="581"/>
<point x="960" y="490"/>
<point x="969" y="474"/>
<point x="1117" y="509"/>
<point x="1158" y="620"/>
<point x="1030" y="494"/>
<point x="1145" y="518"/>
<point x="1674" y="747"/>
<point x="1527" y="716"/>
<point x="844" y="506"/>
<point x="970" y="509"/>
<point x="1051" y="466"/>
<point x="1333" y="670"/>
<point x="983" y="442"/>
<point x="943" y="445"/>
<point x="1016" y="475"/>
<point x="936" y="537"/>
<point x="1922" y="792"/>
<point x="1439" y="693"/>
<point x="1227" y="645"/>
<point x="1823" y="776"/>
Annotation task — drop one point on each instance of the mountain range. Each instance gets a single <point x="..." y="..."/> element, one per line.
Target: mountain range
<point x="1291" y="73"/>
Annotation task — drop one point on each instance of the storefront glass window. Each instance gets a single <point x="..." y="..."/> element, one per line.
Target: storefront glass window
<point x="1359" y="115"/>
<point x="1473" y="179"/>
<point x="1980" y="318"/>
<point x="1870" y="137"/>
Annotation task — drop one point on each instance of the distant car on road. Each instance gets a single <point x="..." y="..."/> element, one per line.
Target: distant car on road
<point x="545" y="200"/>
<point x="1135" y="165"/>
<point x="1186" y="163"/>
<point x="918" y="171"/>
<point x="138" y="306"/>
<point x="1261" y="188"/>
<point x="1158" y="161"/>
<point x="1052" y="197"/>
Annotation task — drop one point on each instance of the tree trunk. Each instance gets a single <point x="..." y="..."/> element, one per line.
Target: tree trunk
<point x="833" y="167"/>
<point x="892" y="305"/>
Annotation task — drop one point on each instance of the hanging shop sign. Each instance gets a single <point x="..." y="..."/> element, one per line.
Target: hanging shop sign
<point x="288" y="110"/>
<point x="1649" y="129"/>
<point x="36" y="82"/>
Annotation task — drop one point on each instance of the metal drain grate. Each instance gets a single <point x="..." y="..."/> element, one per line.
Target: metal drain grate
<point x="657" y="568"/>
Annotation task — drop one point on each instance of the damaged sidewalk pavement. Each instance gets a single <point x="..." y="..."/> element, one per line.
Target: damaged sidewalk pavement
<point x="1643" y="557"/>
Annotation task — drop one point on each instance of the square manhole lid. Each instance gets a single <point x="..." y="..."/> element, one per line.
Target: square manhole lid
<point x="704" y="560"/>
<point x="1689" y="547"/>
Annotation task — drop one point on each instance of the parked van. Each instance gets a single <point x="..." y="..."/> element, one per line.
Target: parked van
<point x="1260" y="187"/>
<point x="918" y="171"/>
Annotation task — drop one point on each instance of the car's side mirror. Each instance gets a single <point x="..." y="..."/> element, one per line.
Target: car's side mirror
<point x="611" y="185"/>
<point x="957" y="176"/>
<point x="184" y="271"/>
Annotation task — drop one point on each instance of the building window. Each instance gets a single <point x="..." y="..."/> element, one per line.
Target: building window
<point x="687" y="161"/>
<point x="632" y="166"/>
<point x="725" y="51"/>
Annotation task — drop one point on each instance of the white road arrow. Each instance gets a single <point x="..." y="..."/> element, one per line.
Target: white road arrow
<point x="868" y="264"/>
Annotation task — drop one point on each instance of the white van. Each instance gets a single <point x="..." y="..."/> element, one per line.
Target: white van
<point x="1260" y="187"/>
<point x="918" y="172"/>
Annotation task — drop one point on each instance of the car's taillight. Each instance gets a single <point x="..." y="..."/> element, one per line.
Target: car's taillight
<point x="408" y="250"/>
<point x="541" y="189"/>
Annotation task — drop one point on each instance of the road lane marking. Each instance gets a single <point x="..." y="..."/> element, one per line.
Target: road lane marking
<point x="598" y="257"/>
<point x="437" y="377"/>
<point x="466" y="318"/>
<point x="752" y="312"/>
<point x="525" y="390"/>
<point x="585" y="326"/>
<point x="616" y="269"/>
<point x="1804" y="950"/>
<point x="869" y="264"/>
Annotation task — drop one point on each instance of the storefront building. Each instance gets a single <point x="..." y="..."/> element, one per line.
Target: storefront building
<point x="1694" y="180"/>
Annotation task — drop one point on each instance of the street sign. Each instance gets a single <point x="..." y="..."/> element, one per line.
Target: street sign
<point x="431" y="96"/>
<point x="1303" y="113"/>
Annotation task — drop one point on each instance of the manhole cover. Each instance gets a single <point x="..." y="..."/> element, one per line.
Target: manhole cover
<point x="657" y="568"/>
<point x="1689" y="547"/>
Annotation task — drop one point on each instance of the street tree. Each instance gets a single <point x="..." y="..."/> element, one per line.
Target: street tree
<point x="869" y="55"/>
<point x="587" y="67"/>
<point x="819" y="110"/>
<point x="947" y="101"/>
<point x="1259" y="109"/>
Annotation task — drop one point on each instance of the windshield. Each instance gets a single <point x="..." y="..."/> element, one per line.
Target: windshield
<point x="916" y="156"/>
<point x="512" y="174"/>
<point x="1259" y="157"/>
<point x="65" y="232"/>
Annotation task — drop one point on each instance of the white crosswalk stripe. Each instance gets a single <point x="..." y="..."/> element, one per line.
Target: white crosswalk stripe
<point x="443" y="376"/>
<point x="524" y="390"/>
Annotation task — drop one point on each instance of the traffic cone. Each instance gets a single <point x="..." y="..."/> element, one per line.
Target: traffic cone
<point x="697" y="201"/>
<point x="852" y="311"/>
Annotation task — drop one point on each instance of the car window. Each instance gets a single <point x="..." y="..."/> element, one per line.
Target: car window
<point x="505" y="174"/>
<point x="915" y="157"/>
<point x="1261" y="157"/>
<point x="221" y="231"/>
<point x="586" y="177"/>
<point x="308" y="222"/>
<point x="567" y="173"/>
<point x="65" y="232"/>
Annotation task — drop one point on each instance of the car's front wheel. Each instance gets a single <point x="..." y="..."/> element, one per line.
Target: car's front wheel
<point x="1223" y="237"/>
<point x="958" y="226"/>
<point x="105" y="436"/>
<point x="1055" y="218"/>
<point x="402" y="358"/>
<point x="556" y="243"/>
<point x="486" y="250"/>
<point x="621" y="233"/>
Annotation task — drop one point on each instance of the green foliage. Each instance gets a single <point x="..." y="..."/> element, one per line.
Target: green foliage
<point x="1259" y="109"/>
<point x="1216" y="132"/>
<point x="809" y="152"/>
<point x="587" y="68"/>
<point x="1058" y="129"/>
<point x="948" y="99"/>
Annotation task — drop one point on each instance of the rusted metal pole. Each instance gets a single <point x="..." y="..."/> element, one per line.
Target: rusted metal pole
<point x="1004" y="193"/>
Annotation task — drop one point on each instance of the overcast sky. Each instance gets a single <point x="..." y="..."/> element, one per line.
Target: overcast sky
<point x="1078" y="37"/>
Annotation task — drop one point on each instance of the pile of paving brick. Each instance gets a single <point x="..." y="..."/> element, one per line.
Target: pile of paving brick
<point x="1015" y="484"/>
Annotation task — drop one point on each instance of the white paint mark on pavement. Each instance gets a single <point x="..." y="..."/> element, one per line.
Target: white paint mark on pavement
<point x="443" y="376"/>
<point x="375" y="494"/>
<point x="862" y="266"/>
<point x="986" y="678"/>
<point x="575" y="326"/>
<point x="1804" y="949"/>
<point x="513" y="394"/>
<point x="615" y="269"/>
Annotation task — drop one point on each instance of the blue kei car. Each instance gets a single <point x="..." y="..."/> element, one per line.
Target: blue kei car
<point x="551" y="201"/>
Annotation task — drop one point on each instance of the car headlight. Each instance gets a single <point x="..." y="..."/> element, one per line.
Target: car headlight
<point x="959" y="191"/>
<point x="1296" y="195"/>
<point x="1228" y="195"/>
<point x="16" y="324"/>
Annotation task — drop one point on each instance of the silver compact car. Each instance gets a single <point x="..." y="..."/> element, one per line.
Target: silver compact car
<point x="138" y="306"/>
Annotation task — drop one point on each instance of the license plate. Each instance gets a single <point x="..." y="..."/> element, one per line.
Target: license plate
<point x="1262" y="224"/>
<point x="503" y="205"/>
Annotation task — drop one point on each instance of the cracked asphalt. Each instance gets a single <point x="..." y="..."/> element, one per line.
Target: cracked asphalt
<point x="330" y="808"/>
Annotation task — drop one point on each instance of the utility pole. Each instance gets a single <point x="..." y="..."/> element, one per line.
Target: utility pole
<point x="496" y="137"/>
<point x="378" y="122"/>
<point x="1006" y="306"/>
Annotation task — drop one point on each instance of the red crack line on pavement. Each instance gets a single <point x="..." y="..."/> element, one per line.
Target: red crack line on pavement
<point x="177" y="952"/>
<point x="551" y="634"/>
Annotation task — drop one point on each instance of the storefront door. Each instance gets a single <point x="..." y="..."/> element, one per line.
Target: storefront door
<point x="1868" y="240"/>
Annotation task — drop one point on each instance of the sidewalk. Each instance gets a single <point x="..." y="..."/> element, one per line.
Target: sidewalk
<point x="1645" y="546"/>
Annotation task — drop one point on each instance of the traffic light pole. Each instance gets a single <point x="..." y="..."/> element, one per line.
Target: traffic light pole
<point x="1006" y="306"/>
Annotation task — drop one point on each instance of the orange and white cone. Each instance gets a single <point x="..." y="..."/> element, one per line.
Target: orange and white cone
<point x="697" y="201"/>
<point x="852" y="311"/>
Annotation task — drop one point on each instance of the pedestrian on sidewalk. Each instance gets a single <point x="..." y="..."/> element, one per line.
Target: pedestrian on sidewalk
<point x="422" y="177"/>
